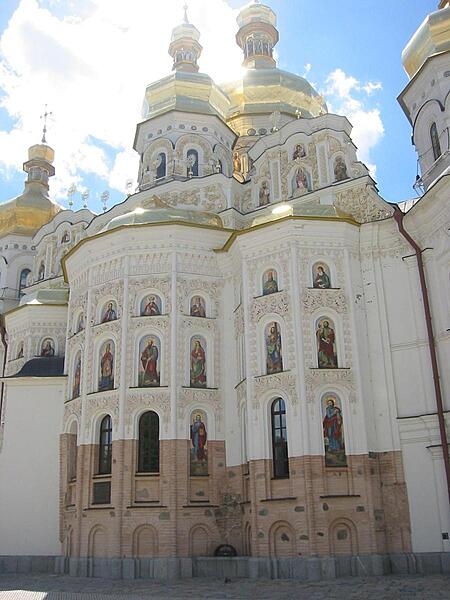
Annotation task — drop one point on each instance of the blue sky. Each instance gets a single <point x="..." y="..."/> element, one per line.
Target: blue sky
<point x="90" y="61"/>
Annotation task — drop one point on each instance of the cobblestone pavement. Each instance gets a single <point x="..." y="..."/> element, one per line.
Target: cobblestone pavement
<point x="56" y="587"/>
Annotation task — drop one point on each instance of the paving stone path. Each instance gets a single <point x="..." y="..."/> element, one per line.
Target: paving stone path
<point x="56" y="587"/>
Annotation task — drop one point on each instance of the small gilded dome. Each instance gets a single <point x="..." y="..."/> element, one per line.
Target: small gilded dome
<point x="27" y="213"/>
<point x="432" y="37"/>
<point x="163" y="213"/>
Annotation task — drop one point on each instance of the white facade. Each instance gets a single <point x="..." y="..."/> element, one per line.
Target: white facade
<point x="203" y="225"/>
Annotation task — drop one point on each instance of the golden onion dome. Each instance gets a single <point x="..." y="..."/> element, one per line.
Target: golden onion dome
<point x="160" y="212"/>
<point x="27" y="213"/>
<point x="185" y="91"/>
<point x="432" y="37"/>
<point x="264" y="91"/>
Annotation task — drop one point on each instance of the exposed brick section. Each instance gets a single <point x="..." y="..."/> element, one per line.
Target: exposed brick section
<point x="320" y="511"/>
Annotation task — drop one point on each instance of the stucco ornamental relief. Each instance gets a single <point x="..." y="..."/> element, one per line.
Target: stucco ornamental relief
<point x="14" y="367"/>
<point x="191" y="397"/>
<point x="161" y="323"/>
<point x="205" y="264"/>
<point x="245" y="202"/>
<point x="186" y="198"/>
<point x="108" y="271"/>
<point x="77" y="302"/>
<point x="186" y="287"/>
<point x="158" y="400"/>
<point x="318" y="377"/>
<point x="103" y="404"/>
<point x="362" y="205"/>
<point x="195" y="324"/>
<point x="214" y="198"/>
<point x="74" y="343"/>
<point x="137" y="288"/>
<point x="71" y="409"/>
<point x="239" y="321"/>
<point x="367" y="254"/>
<point x="278" y="381"/>
<point x="110" y="328"/>
<point x="107" y="291"/>
<point x="315" y="299"/>
<point x="277" y="303"/>
<point x="150" y="262"/>
<point x="358" y="169"/>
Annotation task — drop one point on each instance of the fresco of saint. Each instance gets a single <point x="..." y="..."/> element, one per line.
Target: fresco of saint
<point x="198" y="307"/>
<point x="270" y="283"/>
<point x="333" y="433"/>
<point x="198" y="364"/>
<point x="106" y="381"/>
<point x="274" y="359"/>
<point x="110" y="313"/>
<point x="199" y="451"/>
<point x="47" y="348"/>
<point x="321" y="277"/>
<point x="326" y="347"/>
<point x="152" y="307"/>
<point x="149" y="375"/>
<point x="76" y="377"/>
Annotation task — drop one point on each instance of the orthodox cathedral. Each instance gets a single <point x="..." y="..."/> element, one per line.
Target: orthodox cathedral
<point x="244" y="363"/>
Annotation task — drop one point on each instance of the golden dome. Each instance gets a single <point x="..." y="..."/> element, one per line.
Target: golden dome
<point x="160" y="212"/>
<point x="432" y="37"/>
<point x="263" y="91"/>
<point x="185" y="91"/>
<point x="27" y="213"/>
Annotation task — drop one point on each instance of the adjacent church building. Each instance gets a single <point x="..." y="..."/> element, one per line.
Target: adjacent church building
<point x="248" y="356"/>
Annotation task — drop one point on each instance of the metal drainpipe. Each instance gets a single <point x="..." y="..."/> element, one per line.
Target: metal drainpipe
<point x="5" y="345"/>
<point x="398" y="216"/>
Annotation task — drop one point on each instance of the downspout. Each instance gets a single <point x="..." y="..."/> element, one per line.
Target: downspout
<point x="398" y="216"/>
<point x="5" y="346"/>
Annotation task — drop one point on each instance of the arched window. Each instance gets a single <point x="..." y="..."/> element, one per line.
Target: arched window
<point x="435" y="141"/>
<point x="148" y="445"/>
<point x="161" y="165"/>
<point x="72" y="453"/>
<point x="41" y="272"/>
<point x="279" y="439"/>
<point x="105" y="446"/>
<point x="23" y="280"/>
<point x="192" y="163"/>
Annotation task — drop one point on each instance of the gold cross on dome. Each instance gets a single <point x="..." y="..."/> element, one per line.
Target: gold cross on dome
<point x="44" y="130"/>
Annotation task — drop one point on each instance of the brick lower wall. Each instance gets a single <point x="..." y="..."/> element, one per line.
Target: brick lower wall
<point x="317" y="511"/>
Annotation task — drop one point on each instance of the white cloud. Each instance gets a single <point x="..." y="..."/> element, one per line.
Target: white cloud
<point x="347" y="96"/>
<point x="90" y="61"/>
<point x="306" y="69"/>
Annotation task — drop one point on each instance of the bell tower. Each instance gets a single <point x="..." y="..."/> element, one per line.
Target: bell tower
<point x="426" y="59"/>
<point x="257" y="36"/>
<point x="185" y="48"/>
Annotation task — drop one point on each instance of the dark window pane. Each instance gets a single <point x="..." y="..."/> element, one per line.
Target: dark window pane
<point x="148" y="445"/>
<point x="105" y="446"/>
<point x="435" y="141"/>
<point x="102" y="492"/>
<point x="279" y="439"/>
